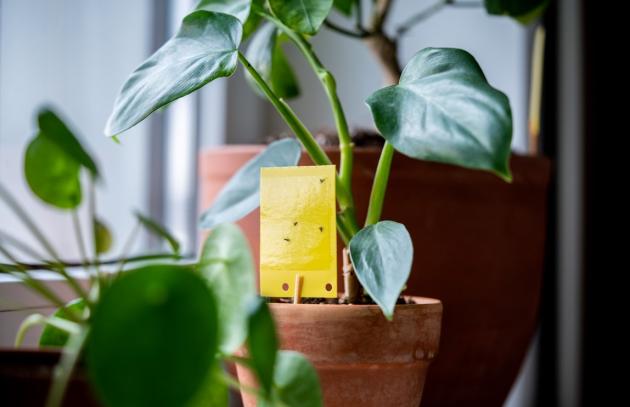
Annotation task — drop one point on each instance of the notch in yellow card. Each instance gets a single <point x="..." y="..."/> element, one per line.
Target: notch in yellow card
<point x="297" y="231"/>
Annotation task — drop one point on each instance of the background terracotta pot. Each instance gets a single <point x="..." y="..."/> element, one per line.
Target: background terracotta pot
<point x="479" y="248"/>
<point x="362" y="359"/>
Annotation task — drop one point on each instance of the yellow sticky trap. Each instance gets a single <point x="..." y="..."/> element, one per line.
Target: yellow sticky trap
<point x="297" y="231"/>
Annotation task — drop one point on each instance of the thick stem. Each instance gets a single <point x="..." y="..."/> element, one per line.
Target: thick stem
<point x="385" y="50"/>
<point x="330" y="87"/>
<point x="352" y="288"/>
<point x="346" y="222"/>
<point x="379" y="187"/>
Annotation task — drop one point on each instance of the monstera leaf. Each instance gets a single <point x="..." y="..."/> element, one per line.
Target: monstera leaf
<point x="381" y="255"/>
<point x="525" y="11"/>
<point x="303" y="16"/>
<point x="241" y="9"/>
<point x="241" y="194"/>
<point x="266" y="55"/>
<point x="444" y="110"/>
<point x="205" y="48"/>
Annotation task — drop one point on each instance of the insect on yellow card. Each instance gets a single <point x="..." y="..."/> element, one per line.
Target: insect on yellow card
<point x="297" y="231"/>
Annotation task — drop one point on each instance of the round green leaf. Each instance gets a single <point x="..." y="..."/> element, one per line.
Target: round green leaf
<point x="240" y="195"/>
<point x="262" y="342"/>
<point x="153" y="338"/>
<point x="54" y="337"/>
<point x="303" y="16"/>
<point x="204" y="48"/>
<point x="444" y="110"/>
<point x="102" y="237"/>
<point x="296" y="382"/>
<point x="52" y="127"/>
<point x="52" y="174"/>
<point x="266" y="55"/>
<point x="525" y="11"/>
<point x="226" y="262"/>
<point x="382" y="255"/>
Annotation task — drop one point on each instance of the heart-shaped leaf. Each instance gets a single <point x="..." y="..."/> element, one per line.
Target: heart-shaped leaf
<point x="158" y="230"/>
<point x="52" y="174"/>
<point x="444" y="110"/>
<point x="241" y="9"/>
<point x="226" y="262"/>
<point x="295" y="382"/>
<point x="262" y="342"/>
<point x="303" y="16"/>
<point x="51" y="126"/>
<point x="102" y="237"/>
<point x="382" y="255"/>
<point x="525" y="11"/>
<point x="240" y="195"/>
<point x="204" y="48"/>
<point x="266" y="55"/>
<point x="153" y="338"/>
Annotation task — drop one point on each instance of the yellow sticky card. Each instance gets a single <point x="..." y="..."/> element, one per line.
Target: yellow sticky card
<point x="297" y="231"/>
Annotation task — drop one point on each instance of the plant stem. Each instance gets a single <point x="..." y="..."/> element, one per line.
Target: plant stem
<point x="344" y="183"/>
<point x="421" y="16"/>
<point x="65" y="367"/>
<point x="145" y="257"/>
<point x="128" y="245"/>
<point x="236" y="385"/>
<point x="92" y="216"/>
<point x="76" y="223"/>
<point x="19" y="211"/>
<point x="313" y="149"/>
<point x="379" y="187"/>
<point x="361" y="34"/>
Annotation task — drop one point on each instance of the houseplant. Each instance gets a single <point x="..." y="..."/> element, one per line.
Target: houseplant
<point x="442" y="110"/>
<point x="482" y="242"/>
<point x="147" y="330"/>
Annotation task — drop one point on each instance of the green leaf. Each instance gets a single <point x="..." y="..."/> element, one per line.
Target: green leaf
<point x="525" y="11"/>
<point x="52" y="127"/>
<point x="266" y="55"/>
<point x="226" y="262"/>
<point x="54" y="337"/>
<point x="102" y="237"/>
<point x="205" y="48"/>
<point x="52" y="174"/>
<point x="382" y="255"/>
<point x="345" y="6"/>
<point x="213" y="392"/>
<point x="158" y="230"/>
<point x="241" y="9"/>
<point x="296" y="382"/>
<point x="303" y="16"/>
<point x="444" y="110"/>
<point x="240" y="195"/>
<point x="153" y="338"/>
<point x="262" y="342"/>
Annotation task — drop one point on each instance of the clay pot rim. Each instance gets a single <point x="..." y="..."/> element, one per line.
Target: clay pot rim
<point x="429" y="304"/>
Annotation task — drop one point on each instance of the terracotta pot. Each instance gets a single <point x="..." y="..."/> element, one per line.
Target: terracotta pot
<point x="25" y="377"/>
<point x="479" y="247"/>
<point x="362" y="359"/>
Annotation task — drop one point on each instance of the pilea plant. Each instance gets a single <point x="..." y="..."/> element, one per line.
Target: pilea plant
<point x="151" y="329"/>
<point x="442" y="109"/>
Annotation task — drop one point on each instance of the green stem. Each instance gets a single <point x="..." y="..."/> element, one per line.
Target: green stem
<point x="330" y="87"/>
<point x="319" y="157"/>
<point x="19" y="211"/>
<point x="76" y="223"/>
<point x="236" y="385"/>
<point x="379" y="187"/>
<point x="65" y="367"/>
<point x="92" y="216"/>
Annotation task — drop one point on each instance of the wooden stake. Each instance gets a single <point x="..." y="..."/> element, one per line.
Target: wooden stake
<point x="350" y="283"/>
<point x="297" y="293"/>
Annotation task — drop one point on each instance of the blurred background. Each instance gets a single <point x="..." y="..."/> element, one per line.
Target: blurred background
<point x="75" y="55"/>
